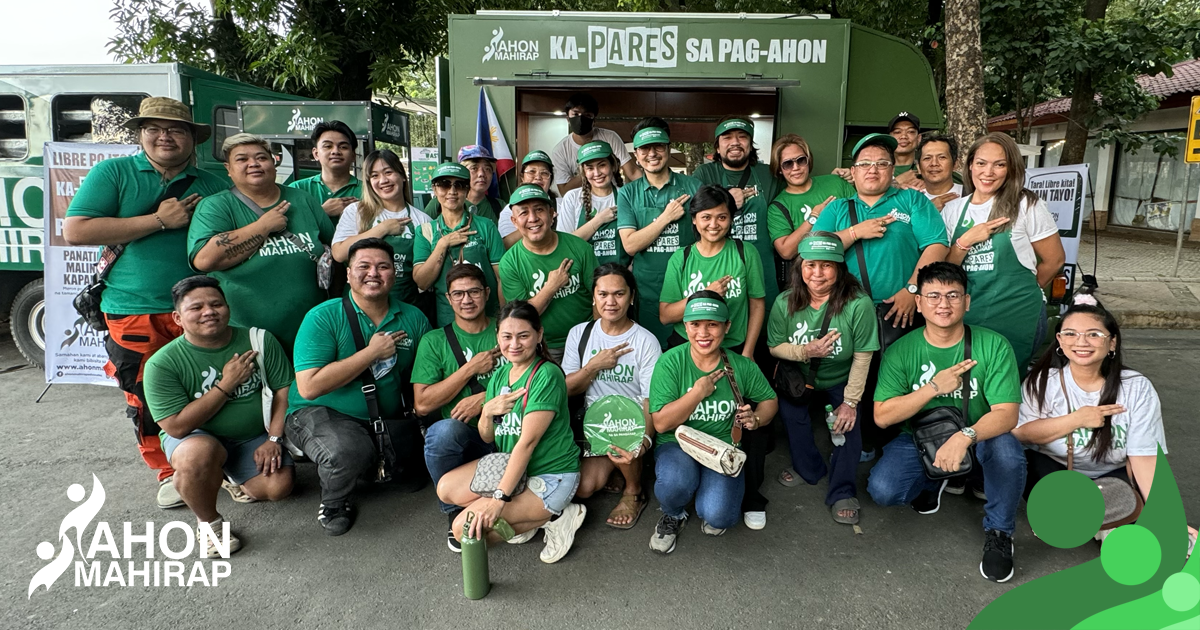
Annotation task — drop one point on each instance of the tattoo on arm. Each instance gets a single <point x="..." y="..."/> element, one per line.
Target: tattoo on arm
<point x="231" y="248"/>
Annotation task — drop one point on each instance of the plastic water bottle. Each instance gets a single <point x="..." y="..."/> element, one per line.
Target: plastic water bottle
<point x="831" y="418"/>
<point x="477" y="579"/>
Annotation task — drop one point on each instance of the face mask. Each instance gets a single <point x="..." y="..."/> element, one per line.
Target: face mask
<point x="580" y="125"/>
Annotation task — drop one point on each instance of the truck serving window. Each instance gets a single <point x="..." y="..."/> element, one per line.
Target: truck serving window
<point x="14" y="140"/>
<point x="94" y="117"/>
<point x="225" y="124"/>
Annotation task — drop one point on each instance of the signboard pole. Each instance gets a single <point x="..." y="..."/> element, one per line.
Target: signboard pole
<point x="1187" y="180"/>
<point x="1191" y="155"/>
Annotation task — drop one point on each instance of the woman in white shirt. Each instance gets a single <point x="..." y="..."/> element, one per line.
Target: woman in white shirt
<point x="590" y="211"/>
<point x="385" y="211"/>
<point x="620" y="360"/>
<point x="1006" y="240"/>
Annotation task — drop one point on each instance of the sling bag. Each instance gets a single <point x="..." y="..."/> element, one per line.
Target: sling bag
<point x="324" y="262"/>
<point x="888" y="334"/>
<point x="461" y="357"/>
<point x="790" y="381"/>
<point x="709" y="451"/>
<point x="490" y="469"/>
<point x="932" y="427"/>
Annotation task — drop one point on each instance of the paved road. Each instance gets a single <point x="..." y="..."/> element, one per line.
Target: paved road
<point x="393" y="569"/>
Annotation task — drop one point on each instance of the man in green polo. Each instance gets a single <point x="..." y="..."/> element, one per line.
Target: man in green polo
<point x="335" y="187"/>
<point x="650" y="220"/>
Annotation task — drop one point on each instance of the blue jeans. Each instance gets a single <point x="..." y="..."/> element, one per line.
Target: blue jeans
<point x="449" y="444"/>
<point x="807" y="461"/>
<point x="899" y="477"/>
<point x="680" y="478"/>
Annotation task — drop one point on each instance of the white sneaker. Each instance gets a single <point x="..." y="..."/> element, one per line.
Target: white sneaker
<point x="560" y="533"/>
<point x="210" y="550"/>
<point x="168" y="497"/>
<point x="521" y="539"/>
<point x="236" y="493"/>
<point x="755" y="520"/>
<point x="710" y="530"/>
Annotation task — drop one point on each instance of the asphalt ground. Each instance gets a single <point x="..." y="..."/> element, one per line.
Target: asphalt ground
<point x="393" y="569"/>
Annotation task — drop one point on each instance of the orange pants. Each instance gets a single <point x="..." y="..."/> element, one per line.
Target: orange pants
<point x="132" y="339"/>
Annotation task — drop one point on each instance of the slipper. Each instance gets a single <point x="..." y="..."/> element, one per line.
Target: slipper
<point x="789" y="472"/>
<point x="629" y="505"/>
<point x="846" y="504"/>
<point x="615" y="483"/>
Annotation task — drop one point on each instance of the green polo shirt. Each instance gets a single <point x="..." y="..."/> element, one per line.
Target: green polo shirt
<point x="800" y="205"/>
<point x="275" y="286"/>
<point x="436" y="361"/>
<point x="892" y="258"/>
<point x="856" y="322"/>
<point x="325" y="337"/>
<point x="484" y="249"/>
<point x="317" y="188"/>
<point x="523" y="274"/>
<point x="140" y="282"/>
<point x="747" y="283"/>
<point x="676" y="373"/>
<point x="750" y="224"/>
<point x="490" y="208"/>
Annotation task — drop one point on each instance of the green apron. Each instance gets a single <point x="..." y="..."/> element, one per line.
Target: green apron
<point x="405" y="289"/>
<point x="1005" y="295"/>
<point x="606" y="241"/>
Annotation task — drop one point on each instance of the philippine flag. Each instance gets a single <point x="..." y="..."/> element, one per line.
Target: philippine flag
<point x="489" y="135"/>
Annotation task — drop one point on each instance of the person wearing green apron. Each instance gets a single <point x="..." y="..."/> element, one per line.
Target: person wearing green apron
<point x="590" y="211"/>
<point x="651" y="222"/>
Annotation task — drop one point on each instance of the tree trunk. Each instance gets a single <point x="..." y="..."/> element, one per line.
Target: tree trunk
<point x="1083" y="99"/>
<point x="966" y="117"/>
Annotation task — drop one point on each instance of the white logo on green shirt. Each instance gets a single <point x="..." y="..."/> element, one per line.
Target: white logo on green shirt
<point x="928" y="370"/>
<point x="712" y="411"/>
<point x="697" y="283"/>
<point x="510" y="425"/>
<point x="801" y="337"/>
<point x="211" y="375"/>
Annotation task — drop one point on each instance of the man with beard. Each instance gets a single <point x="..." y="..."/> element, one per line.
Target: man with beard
<point x="581" y="110"/>
<point x="335" y="187"/>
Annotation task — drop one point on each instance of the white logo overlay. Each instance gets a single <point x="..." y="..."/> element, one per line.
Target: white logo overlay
<point x="300" y="122"/>
<point x="500" y="49"/>
<point x="89" y="570"/>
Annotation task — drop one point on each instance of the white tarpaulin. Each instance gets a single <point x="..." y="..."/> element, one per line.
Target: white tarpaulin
<point x="1064" y="189"/>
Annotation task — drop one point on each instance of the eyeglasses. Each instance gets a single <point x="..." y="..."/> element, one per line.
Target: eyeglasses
<point x="456" y="184"/>
<point x="458" y="296"/>
<point x="174" y="132"/>
<point x="1093" y="337"/>
<point x="953" y="297"/>
<point x="794" y="163"/>
<point x="881" y="165"/>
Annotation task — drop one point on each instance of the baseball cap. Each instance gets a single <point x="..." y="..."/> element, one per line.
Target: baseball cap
<point x="527" y="192"/>
<point x="450" y="169"/>
<point x="650" y="135"/>
<point x="474" y="152"/>
<point x="822" y="248"/>
<point x="705" y="309"/>
<point x="734" y="124"/>
<point x="594" y="151"/>
<point x="875" y="139"/>
<point x="537" y="156"/>
<point x="916" y="122"/>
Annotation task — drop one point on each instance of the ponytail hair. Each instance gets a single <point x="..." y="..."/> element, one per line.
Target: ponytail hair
<point x="526" y="312"/>
<point x="585" y="197"/>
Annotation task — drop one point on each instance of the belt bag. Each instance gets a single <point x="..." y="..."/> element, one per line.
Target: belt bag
<point x="324" y="261"/>
<point x="490" y="469"/>
<point x="710" y="452"/>
<point x="931" y="428"/>
<point x="790" y="381"/>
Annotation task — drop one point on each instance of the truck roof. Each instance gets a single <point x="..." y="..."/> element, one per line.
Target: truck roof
<point x="97" y="69"/>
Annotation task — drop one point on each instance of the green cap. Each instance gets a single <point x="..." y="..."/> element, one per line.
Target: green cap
<point x="823" y="248"/>
<point x="705" y="309"/>
<point x="733" y="124"/>
<point x="875" y="139"/>
<point x="650" y="135"/>
<point x="594" y="151"/>
<point x="526" y="192"/>
<point x="537" y="156"/>
<point x="450" y="169"/>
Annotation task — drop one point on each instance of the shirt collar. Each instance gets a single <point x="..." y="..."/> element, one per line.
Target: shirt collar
<point x="351" y="184"/>
<point x="392" y="313"/>
<point x="143" y="164"/>
<point x="891" y="191"/>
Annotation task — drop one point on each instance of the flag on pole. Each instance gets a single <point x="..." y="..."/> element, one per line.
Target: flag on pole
<point x="489" y="135"/>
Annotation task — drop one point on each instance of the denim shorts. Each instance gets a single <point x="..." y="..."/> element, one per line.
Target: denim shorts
<point x="555" y="491"/>
<point x="239" y="455"/>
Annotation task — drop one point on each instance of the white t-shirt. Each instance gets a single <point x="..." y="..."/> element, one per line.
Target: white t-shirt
<point x="1031" y="225"/>
<point x="955" y="188"/>
<point x="505" y="224"/>
<point x="572" y="202"/>
<point x="566" y="152"/>
<point x="1138" y="431"/>
<point x="631" y="377"/>
<point x="348" y="225"/>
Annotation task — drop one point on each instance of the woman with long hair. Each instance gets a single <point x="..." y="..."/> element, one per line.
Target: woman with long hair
<point x="590" y="211"/>
<point x="1006" y="240"/>
<point x="385" y="211"/>
<point x="826" y="325"/>
<point x="526" y="416"/>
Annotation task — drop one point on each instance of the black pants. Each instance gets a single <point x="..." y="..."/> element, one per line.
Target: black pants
<point x="1041" y="465"/>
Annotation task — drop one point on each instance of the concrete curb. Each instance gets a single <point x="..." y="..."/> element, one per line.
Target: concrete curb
<point x="1157" y="319"/>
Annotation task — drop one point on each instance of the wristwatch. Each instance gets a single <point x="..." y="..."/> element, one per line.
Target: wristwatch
<point x="278" y="439"/>
<point x="812" y="220"/>
<point x="912" y="288"/>
<point x="849" y="404"/>
<point x="499" y="495"/>
<point x="970" y="433"/>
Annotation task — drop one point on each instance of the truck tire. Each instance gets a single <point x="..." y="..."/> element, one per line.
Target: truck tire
<point x="27" y="322"/>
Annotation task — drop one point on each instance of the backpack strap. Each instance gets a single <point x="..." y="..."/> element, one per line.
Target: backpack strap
<point x="966" y="386"/>
<point x="367" y="377"/>
<point x="584" y="338"/>
<point x="787" y="214"/>
<point x="460" y="357"/>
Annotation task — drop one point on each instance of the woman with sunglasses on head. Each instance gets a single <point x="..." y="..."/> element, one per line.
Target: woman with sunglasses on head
<point x="456" y="236"/>
<point x="385" y="211"/>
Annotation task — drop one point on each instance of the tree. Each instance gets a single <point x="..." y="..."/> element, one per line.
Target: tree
<point x="966" y="117"/>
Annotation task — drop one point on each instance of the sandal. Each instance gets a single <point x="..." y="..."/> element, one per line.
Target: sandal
<point x="788" y="478"/>
<point x="845" y="504"/>
<point x="615" y="483"/>
<point x="629" y="505"/>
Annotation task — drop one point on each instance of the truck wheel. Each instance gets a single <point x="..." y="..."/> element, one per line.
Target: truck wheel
<point x="28" y="322"/>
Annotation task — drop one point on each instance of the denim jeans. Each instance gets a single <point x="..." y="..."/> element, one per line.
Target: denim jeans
<point x="449" y="444"/>
<point x="899" y="477"/>
<point x="807" y="461"/>
<point x="680" y="478"/>
<point x="341" y="446"/>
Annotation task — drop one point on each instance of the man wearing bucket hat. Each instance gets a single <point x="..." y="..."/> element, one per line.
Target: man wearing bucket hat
<point x="144" y="203"/>
<point x="651" y="223"/>
<point x="581" y="110"/>
<point x="536" y="169"/>
<point x="590" y="211"/>
<point x="457" y="235"/>
<point x="481" y="167"/>
<point x="550" y="269"/>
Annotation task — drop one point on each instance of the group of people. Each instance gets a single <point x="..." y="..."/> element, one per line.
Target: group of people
<point x="705" y="299"/>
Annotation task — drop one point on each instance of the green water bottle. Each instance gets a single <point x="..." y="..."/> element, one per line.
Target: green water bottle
<point x="476" y="576"/>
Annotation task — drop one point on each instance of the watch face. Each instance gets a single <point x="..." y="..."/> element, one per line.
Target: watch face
<point x="912" y="288"/>
<point x="498" y="494"/>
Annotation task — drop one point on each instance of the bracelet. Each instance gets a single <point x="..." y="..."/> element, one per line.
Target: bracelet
<point x="958" y="244"/>
<point x="647" y="440"/>
<point x="161" y="226"/>
<point x="935" y="387"/>
<point x="852" y="234"/>
<point x="220" y="389"/>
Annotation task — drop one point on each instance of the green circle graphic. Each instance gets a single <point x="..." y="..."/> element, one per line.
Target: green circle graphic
<point x="1181" y="592"/>
<point x="1066" y="509"/>
<point x="1130" y="555"/>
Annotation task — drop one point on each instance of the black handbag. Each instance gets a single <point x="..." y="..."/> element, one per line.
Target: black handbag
<point x="932" y="427"/>
<point x="888" y="333"/>
<point x="790" y="381"/>
<point x="398" y="441"/>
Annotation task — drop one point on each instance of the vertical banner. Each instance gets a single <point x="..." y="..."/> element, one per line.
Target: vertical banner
<point x="1063" y="188"/>
<point x="74" y="351"/>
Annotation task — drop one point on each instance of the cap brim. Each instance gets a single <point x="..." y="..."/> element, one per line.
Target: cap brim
<point x="202" y="131"/>
<point x="827" y="256"/>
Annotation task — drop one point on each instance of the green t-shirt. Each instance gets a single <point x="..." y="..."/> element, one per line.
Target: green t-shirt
<point x="857" y="323"/>
<point x="140" y="282"/>
<point x="911" y="362"/>
<point x="747" y="283"/>
<point x="556" y="453"/>
<point x="317" y="188"/>
<point x="279" y="273"/>
<point x="484" y="249"/>
<point x="325" y="337"/>
<point x="436" y="362"/>
<point x="891" y="259"/>
<point x="489" y="208"/>
<point x="523" y="273"/>
<point x="180" y="372"/>
<point x="750" y="224"/>
<point x="800" y="205"/>
<point x="676" y="373"/>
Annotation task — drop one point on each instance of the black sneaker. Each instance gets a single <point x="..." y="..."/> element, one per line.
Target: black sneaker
<point x="451" y="541"/>
<point x="957" y="486"/>
<point x="977" y="490"/>
<point x="928" y="502"/>
<point x="337" y="519"/>
<point x="665" y="533"/>
<point x="997" y="564"/>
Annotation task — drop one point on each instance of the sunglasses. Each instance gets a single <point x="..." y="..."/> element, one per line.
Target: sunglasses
<point x="456" y="184"/>
<point x="794" y="163"/>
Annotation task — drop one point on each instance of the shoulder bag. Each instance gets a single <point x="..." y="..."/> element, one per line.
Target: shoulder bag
<point x="324" y="262"/>
<point x="888" y="334"/>
<point x="461" y="358"/>
<point x="709" y="451"/>
<point x="783" y="268"/>
<point x="257" y="344"/>
<point x="490" y="469"/>
<point x="578" y="404"/>
<point x="790" y="381"/>
<point x="932" y="427"/>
